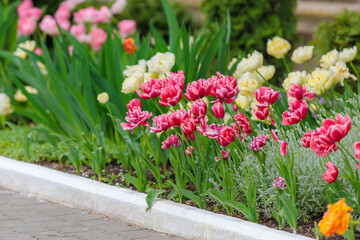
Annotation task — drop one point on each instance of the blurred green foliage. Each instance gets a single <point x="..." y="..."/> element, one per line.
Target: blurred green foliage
<point x="146" y="12"/>
<point x="342" y="32"/>
<point x="253" y="22"/>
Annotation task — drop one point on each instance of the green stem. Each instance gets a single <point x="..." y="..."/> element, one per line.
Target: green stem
<point x="286" y="65"/>
<point x="307" y="67"/>
<point x="357" y="75"/>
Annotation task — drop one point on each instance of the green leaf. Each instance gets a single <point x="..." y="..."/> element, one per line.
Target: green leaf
<point x="290" y="212"/>
<point x="172" y="22"/>
<point x="151" y="195"/>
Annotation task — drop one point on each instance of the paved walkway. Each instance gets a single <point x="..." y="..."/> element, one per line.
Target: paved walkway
<point x="23" y="218"/>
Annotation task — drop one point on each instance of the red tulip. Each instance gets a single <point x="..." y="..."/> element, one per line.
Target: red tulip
<point x="244" y="124"/>
<point x="224" y="88"/>
<point x="266" y="96"/>
<point x="306" y="139"/>
<point x="135" y="117"/>
<point x="187" y="151"/>
<point x="331" y="173"/>
<point x="226" y="136"/>
<point x="299" y="92"/>
<point x="283" y="148"/>
<point x="212" y="131"/>
<point x="170" y="96"/>
<point x="235" y="108"/>
<point x="133" y="103"/>
<point x="337" y="130"/>
<point x="273" y="134"/>
<point x="321" y="144"/>
<point x="259" y="142"/>
<point x="198" y="89"/>
<point x="198" y="109"/>
<point x="161" y="123"/>
<point x="172" y="140"/>
<point x="188" y="126"/>
<point x="218" y="110"/>
<point x="279" y="182"/>
<point x="262" y="112"/>
<point x="357" y="149"/>
<point x="151" y="89"/>
<point x="177" y="117"/>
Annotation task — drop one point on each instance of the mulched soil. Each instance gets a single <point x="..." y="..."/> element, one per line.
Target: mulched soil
<point x="115" y="173"/>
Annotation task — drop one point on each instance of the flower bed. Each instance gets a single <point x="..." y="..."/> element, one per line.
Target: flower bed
<point x="229" y="141"/>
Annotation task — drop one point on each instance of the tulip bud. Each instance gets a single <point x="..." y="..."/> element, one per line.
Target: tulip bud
<point x="331" y="173"/>
<point x="235" y="108"/>
<point x="262" y="112"/>
<point x="103" y="98"/>
<point x="218" y="110"/>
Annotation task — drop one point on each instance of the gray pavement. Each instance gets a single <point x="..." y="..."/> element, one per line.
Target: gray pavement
<point x="23" y="218"/>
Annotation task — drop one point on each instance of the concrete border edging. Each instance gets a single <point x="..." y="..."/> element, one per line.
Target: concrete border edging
<point x="130" y="206"/>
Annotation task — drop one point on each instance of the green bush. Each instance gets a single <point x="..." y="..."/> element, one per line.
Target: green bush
<point x="253" y="22"/>
<point x="343" y="31"/>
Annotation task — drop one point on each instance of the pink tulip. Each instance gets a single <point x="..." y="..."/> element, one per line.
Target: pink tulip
<point x="174" y="80"/>
<point x="78" y="31"/>
<point x="71" y="49"/>
<point x="224" y="88"/>
<point x="261" y="112"/>
<point x="218" y="110"/>
<point x="299" y="92"/>
<point x="306" y="139"/>
<point x="331" y="173"/>
<point x="235" y="108"/>
<point x="188" y="126"/>
<point x="177" y="117"/>
<point x="337" y="130"/>
<point x="226" y="136"/>
<point x="298" y="110"/>
<point x="259" y="142"/>
<point x="135" y="117"/>
<point x="273" y="134"/>
<point x="290" y="118"/>
<point x="172" y="140"/>
<point x="357" y="149"/>
<point x="24" y="6"/>
<point x="118" y="6"/>
<point x="26" y="26"/>
<point x="134" y="103"/>
<point x="48" y="26"/>
<point x="127" y="27"/>
<point x="151" y="89"/>
<point x="170" y="96"/>
<point x="33" y="13"/>
<point x="198" y="89"/>
<point x="38" y="51"/>
<point x="69" y="5"/>
<point x="86" y="15"/>
<point x="279" y="183"/>
<point x="266" y="96"/>
<point x="187" y="151"/>
<point x="283" y="148"/>
<point x="244" y="124"/>
<point x="321" y="144"/>
<point x="161" y="123"/>
<point x="97" y="38"/>
<point x="62" y="14"/>
<point x="104" y="15"/>
<point x="65" y="25"/>
<point x="212" y="131"/>
<point x="225" y="155"/>
<point x="198" y="109"/>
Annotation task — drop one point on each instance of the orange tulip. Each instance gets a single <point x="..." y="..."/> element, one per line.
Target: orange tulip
<point x="129" y="45"/>
<point x="336" y="219"/>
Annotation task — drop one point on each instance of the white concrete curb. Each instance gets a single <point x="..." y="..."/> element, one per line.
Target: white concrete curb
<point x="165" y="216"/>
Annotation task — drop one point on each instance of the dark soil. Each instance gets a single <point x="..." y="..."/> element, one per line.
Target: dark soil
<point x="114" y="176"/>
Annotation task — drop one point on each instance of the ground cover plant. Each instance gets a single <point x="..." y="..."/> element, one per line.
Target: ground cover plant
<point x="176" y="128"/>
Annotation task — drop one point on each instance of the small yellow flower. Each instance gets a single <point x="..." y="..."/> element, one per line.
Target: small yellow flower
<point x="103" y="98"/>
<point x="28" y="45"/>
<point x="161" y="63"/>
<point x="31" y="90"/>
<point x="266" y="72"/>
<point x="249" y="83"/>
<point x="348" y="54"/>
<point x="329" y="59"/>
<point x="321" y="80"/>
<point x="19" y="96"/>
<point x="132" y="83"/>
<point x="250" y="64"/>
<point x="342" y="71"/>
<point x="296" y="78"/>
<point x="302" y="54"/>
<point x="278" y="47"/>
<point x="42" y="68"/>
<point x="5" y="105"/>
